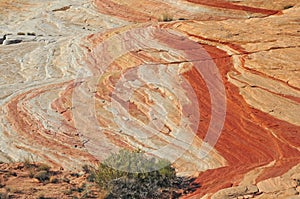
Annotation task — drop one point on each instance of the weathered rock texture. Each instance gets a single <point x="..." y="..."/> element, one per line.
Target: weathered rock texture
<point x="25" y="180"/>
<point x="82" y="79"/>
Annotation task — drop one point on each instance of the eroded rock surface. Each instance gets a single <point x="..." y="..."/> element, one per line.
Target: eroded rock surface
<point x="215" y="89"/>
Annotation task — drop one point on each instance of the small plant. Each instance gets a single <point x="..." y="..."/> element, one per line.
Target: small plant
<point x="43" y="167"/>
<point x="28" y="163"/>
<point x="42" y="176"/>
<point x="31" y="173"/>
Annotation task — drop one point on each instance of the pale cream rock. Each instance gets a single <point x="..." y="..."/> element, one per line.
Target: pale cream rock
<point x="236" y="192"/>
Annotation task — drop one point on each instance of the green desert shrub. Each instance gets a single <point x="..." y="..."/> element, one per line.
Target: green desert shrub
<point x="135" y="175"/>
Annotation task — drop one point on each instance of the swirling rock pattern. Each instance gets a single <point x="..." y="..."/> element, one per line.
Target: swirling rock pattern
<point x="67" y="66"/>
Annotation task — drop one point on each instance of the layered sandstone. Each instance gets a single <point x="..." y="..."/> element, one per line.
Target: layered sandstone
<point x="216" y="90"/>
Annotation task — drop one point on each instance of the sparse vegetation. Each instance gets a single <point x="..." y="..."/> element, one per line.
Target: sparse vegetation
<point x="134" y="175"/>
<point x="27" y="163"/>
<point x="31" y="173"/>
<point x="127" y="174"/>
<point x="43" y="167"/>
<point x="42" y="176"/>
<point x="38" y="171"/>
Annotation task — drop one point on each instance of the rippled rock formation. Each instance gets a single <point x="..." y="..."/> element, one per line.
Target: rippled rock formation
<point x="212" y="87"/>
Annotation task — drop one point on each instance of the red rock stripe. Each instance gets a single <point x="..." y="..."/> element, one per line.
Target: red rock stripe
<point x="245" y="142"/>
<point x="228" y="5"/>
<point x="30" y="130"/>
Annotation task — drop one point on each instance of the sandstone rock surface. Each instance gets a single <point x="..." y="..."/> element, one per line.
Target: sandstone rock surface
<point x="212" y="86"/>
